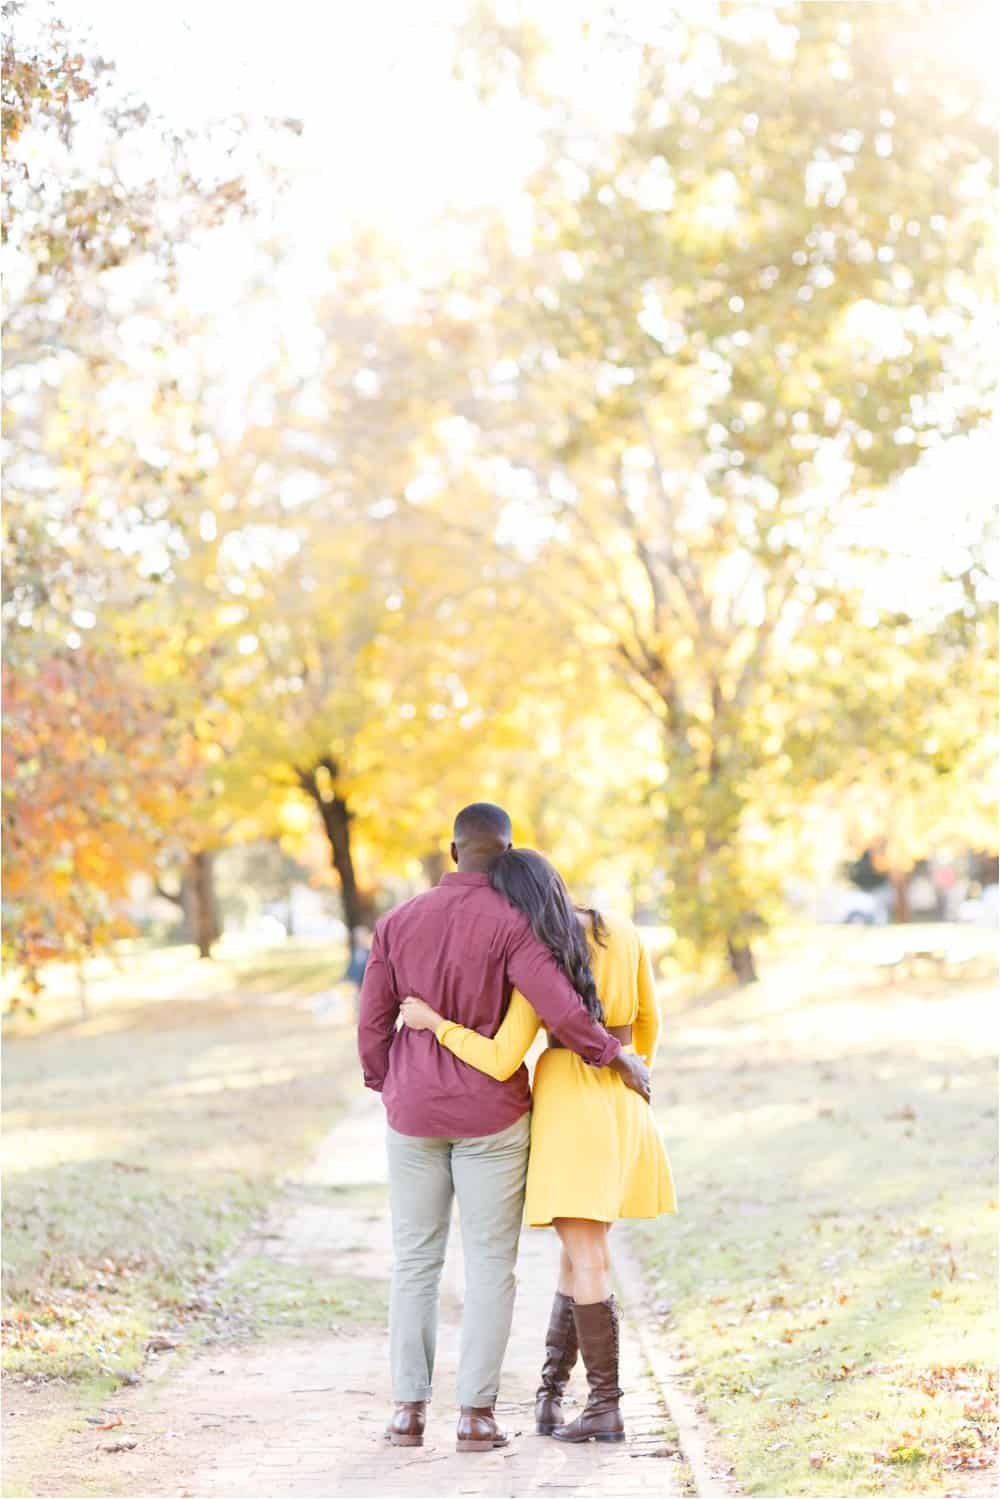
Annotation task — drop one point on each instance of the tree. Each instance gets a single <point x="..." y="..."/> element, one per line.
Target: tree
<point x="738" y="324"/>
<point x="87" y="505"/>
<point x="348" y="595"/>
<point x="907" y="745"/>
<point x="90" y="778"/>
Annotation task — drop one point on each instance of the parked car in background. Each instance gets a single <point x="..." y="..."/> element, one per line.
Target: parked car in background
<point x="842" y="905"/>
<point x="982" y="909"/>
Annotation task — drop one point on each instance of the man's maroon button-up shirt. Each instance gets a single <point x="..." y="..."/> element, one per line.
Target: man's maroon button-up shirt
<point x="462" y="948"/>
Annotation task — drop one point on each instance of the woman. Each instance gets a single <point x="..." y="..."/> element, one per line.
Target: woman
<point x="596" y="1154"/>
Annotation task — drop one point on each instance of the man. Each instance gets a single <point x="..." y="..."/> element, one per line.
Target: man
<point x="453" y="1131"/>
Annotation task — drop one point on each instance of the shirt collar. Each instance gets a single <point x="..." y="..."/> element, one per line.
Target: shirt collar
<point x="470" y="877"/>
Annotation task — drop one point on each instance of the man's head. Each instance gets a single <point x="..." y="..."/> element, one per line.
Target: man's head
<point x="482" y="833"/>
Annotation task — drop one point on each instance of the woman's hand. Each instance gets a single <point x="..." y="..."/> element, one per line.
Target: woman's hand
<point x="417" y="1015"/>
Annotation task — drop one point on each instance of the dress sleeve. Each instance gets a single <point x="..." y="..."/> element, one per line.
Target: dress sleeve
<point x="646" y="1031"/>
<point x="502" y="1055"/>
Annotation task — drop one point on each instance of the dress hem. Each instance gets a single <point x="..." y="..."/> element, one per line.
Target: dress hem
<point x="591" y="1217"/>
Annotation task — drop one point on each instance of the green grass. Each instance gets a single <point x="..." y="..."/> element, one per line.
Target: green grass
<point x="830" y="1279"/>
<point x="132" y="974"/>
<point x="274" y="1294"/>
<point x="140" y="1145"/>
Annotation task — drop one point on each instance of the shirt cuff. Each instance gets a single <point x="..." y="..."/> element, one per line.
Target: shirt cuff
<point x="444" y="1028"/>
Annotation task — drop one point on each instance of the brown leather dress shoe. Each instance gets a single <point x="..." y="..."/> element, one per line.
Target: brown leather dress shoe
<point x="601" y="1418"/>
<point x="478" y="1431"/>
<point x="406" y="1429"/>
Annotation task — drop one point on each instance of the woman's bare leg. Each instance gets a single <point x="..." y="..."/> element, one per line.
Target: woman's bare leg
<point x="564" y="1284"/>
<point x="585" y="1248"/>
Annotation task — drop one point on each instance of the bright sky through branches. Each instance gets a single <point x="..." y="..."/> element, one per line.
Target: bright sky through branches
<point x="391" y="138"/>
<point x="389" y="134"/>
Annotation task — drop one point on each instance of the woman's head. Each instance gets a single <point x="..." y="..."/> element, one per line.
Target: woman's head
<point x="534" y="886"/>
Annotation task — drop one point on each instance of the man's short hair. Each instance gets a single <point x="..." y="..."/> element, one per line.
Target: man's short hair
<point x="483" y="822"/>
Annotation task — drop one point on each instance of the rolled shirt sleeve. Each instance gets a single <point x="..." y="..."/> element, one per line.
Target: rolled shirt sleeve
<point x="533" y="969"/>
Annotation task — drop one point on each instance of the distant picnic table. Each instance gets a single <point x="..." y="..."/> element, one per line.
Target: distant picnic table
<point x="905" y="960"/>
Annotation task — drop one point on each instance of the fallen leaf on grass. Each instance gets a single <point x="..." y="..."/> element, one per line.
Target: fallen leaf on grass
<point x="981" y="1407"/>
<point x="817" y="1459"/>
<point x="109" y="1425"/>
<point x="975" y="1462"/>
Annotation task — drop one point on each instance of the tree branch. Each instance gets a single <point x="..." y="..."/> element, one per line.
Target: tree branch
<point x="686" y="575"/>
<point x="754" y="663"/>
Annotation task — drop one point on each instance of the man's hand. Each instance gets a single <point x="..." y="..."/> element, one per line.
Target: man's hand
<point x="633" y="1072"/>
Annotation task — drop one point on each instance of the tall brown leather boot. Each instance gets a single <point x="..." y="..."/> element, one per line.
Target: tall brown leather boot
<point x="601" y="1418"/>
<point x="561" y="1348"/>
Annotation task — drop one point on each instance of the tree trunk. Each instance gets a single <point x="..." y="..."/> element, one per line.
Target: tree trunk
<point x="201" y="913"/>
<point x="900" y="895"/>
<point x="337" y="822"/>
<point x="741" y="960"/>
<point x="336" y="817"/>
<point x="81" y="989"/>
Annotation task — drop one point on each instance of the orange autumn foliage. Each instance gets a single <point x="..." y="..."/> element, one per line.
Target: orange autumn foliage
<point x="93" y="777"/>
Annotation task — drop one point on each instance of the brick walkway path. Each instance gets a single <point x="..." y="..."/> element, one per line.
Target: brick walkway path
<point x="305" y="1417"/>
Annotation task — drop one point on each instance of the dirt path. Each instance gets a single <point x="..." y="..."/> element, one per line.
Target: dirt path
<point x="304" y="1416"/>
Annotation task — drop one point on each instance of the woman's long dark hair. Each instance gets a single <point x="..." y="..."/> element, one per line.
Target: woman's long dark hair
<point x="530" y="883"/>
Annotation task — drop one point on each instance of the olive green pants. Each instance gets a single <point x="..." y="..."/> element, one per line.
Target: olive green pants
<point x="486" y="1175"/>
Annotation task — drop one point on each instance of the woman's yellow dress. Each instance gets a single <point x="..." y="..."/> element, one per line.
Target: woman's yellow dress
<point x="595" y="1149"/>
